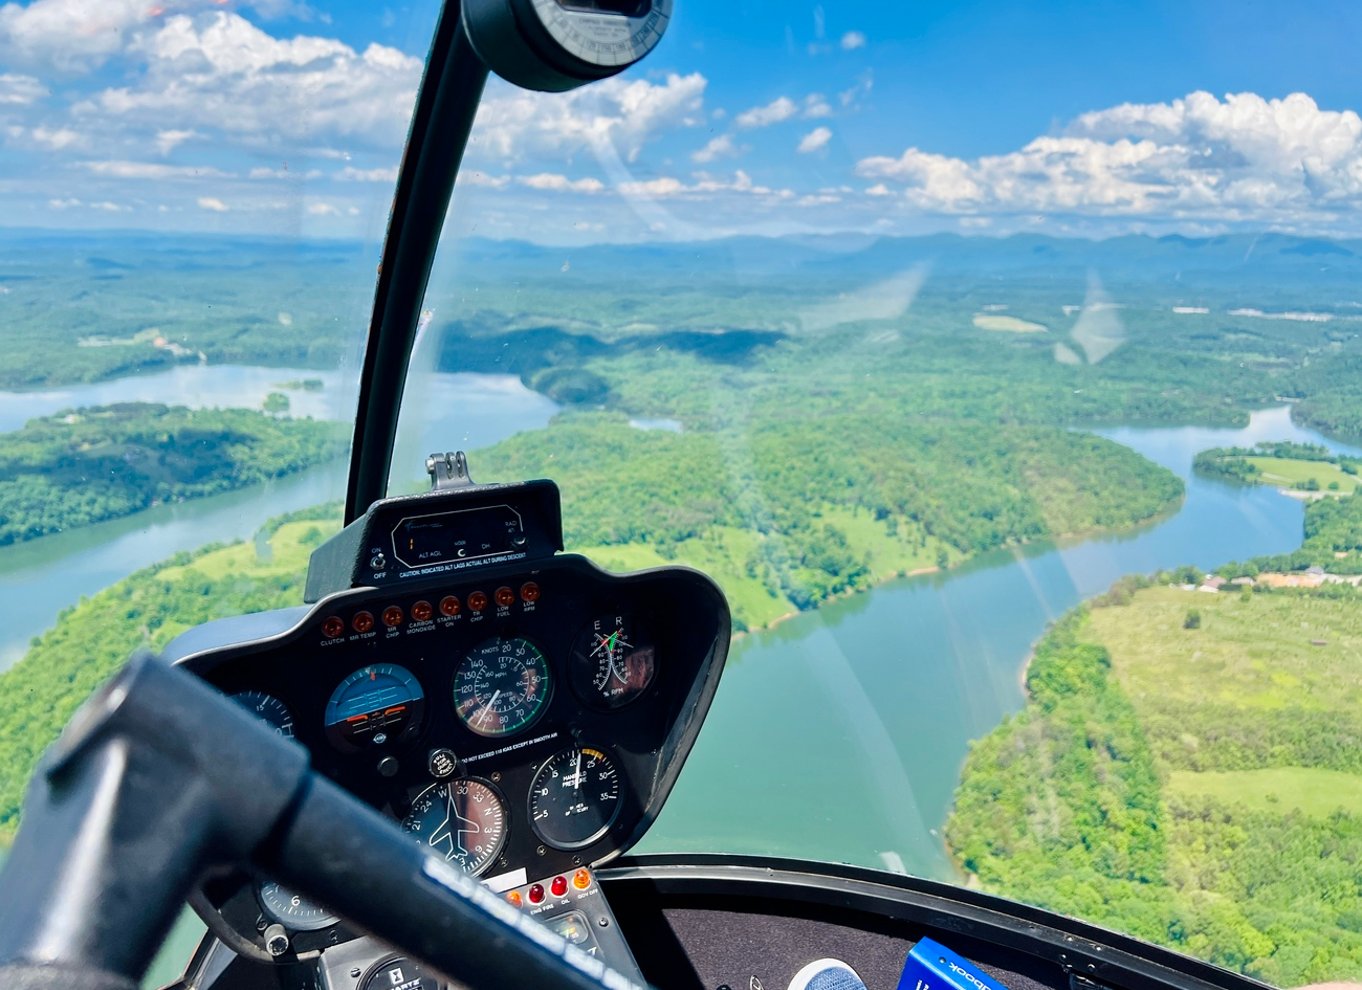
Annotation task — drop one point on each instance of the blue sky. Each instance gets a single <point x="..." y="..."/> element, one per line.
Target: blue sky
<point x="287" y="116"/>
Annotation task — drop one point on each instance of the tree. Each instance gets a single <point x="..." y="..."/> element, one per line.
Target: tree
<point x="1193" y="619"/>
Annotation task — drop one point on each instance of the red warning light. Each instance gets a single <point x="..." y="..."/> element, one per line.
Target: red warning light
<point x="536" y="893"/>
<point x="362" y="622"/>
<point x="449" y="605"/>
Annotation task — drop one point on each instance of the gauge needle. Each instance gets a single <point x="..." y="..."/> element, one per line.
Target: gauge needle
<point x="491" y="705"/>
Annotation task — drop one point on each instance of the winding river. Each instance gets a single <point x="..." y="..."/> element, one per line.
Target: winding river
<point x="837" y="735"/>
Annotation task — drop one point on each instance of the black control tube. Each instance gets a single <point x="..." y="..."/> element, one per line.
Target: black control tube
<point x="158" y="777"/>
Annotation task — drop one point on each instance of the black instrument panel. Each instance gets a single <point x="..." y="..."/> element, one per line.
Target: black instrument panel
<point x="554" y="703"/>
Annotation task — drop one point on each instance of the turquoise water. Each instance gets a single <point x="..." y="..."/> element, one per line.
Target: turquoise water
<point x="839" y="735"/>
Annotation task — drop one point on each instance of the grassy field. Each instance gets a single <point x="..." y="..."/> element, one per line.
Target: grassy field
<point x="1288" y="472"/>
<point x="1250" y="654"/>
<point x="1318" y="793"/>
<point x="1215" y="801"/>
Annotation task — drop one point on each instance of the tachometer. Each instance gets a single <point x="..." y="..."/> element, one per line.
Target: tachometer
<point x="575" y="797"/>
<point x="379" y="704"/>
<point x="462" y="820"/>
<point x="612" y="663"/>
<point x="501" y="687"/>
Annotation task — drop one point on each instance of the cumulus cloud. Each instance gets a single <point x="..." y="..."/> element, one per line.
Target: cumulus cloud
<point x="1241" y="158"/>
<point x="262" y="89"/>
<point x="716" y="148"/>
<point x="168" y="141"/>
<point x="620" y="113"/>
<point x="212" y="204"/>
<point x="815" y="140"/>
<point x="705" y="186"/>
<point x="778" y="110"/>
<point x="852" y="40"/>
<point x="551" y="182"/>
<point x="69" y="35"/>
<point x="313" y="209"/>
<point x="19" y="90"/>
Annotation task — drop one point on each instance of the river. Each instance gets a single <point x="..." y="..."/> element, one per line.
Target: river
<point x="839" y="735"/>
<point x="41" y="577"/>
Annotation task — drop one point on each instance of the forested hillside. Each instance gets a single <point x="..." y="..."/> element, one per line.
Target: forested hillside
<point x="1186" y="769"/>
<point x="788" y="514"/>
<point x="92" y="464"/>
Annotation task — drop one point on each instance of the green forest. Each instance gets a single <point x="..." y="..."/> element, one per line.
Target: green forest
<point x="87" y="465"/>
<point x="1186" y="769"/>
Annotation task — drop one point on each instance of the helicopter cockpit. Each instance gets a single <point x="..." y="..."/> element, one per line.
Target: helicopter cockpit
<point x="436" y="772"/>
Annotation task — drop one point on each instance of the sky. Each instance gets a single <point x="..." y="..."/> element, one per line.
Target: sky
<point x="287" y="117"/>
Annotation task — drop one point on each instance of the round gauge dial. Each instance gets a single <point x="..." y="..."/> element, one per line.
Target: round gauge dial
<point x="462" y="820"/>
<point x="575" y="797"/>
<point x="268" y="709"/>
<point x="375" y="705"/>
<point x="612" y="662"/>
<point x="501" y="687"/>
<point x="607" y="34"/>
<point x="293" y="910"/>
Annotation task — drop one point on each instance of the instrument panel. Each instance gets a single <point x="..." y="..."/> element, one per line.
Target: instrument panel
<point x="520" y="721"/>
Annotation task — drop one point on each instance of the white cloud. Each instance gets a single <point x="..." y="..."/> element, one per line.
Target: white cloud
<point x="705" y="187"/>
<point x="852" y="40"/>
<point x="259" y="89"/>
<point x="778" y="110"/>
<point x="549" y="182"/>
<point x="388" y="175"/>
<point x="716" y="148"/>
<point x="153" y="170"/>
<point x="314" y="210"/>
<point x="621" y="113"/>
<point x="1240" y="159"/>
<point x="18" y="90"/>
<point x="815" y="106"/>
<point x="63" y="204"/>
<point x="106" y="206"/>
<point x="473" y="177"/>
<point x="288" y="174"/>
<point x="168" y="141"/>
<point x="69" y="35"/>
<point x="815" y="140"/>
<point x="212" y="204"/>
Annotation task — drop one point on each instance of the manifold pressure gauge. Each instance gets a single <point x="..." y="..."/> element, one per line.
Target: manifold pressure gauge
<point x="557" y="45"/>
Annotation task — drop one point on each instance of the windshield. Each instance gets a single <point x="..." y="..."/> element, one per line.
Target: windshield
<point x="945" y="340"/>
<point x="1000" y="365"/>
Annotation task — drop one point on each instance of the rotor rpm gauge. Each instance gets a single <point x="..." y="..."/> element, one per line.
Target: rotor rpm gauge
<point x="293" y="910"/>
<point x="375" y="705"/>
<point x="462" y="820"/>
<point x="612" y="663"/>
<point x="501" y="687"/>
<point x="268" y="709"/>
<point x="575" y="797"/>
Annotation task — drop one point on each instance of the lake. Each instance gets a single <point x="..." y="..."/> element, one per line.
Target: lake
<point x="41" y="577"/>
<point x="839" y="735"/>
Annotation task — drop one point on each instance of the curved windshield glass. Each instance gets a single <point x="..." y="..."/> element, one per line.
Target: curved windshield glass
<point x="192" y="201"/>
<point x="1001" y="365"/>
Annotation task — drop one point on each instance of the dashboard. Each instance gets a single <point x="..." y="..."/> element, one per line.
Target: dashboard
<point x="524" y="720"/>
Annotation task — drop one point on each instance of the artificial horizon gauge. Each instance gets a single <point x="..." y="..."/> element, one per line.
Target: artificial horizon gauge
<point x="462" y="820"/>
<point x="268" y="709"/>
<point x="613" y="662"/>
<point x="501" y="686"/>
<point x="575" y="797"/>
<point x="379" y="704"/>
<point x="293" y="910"/>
